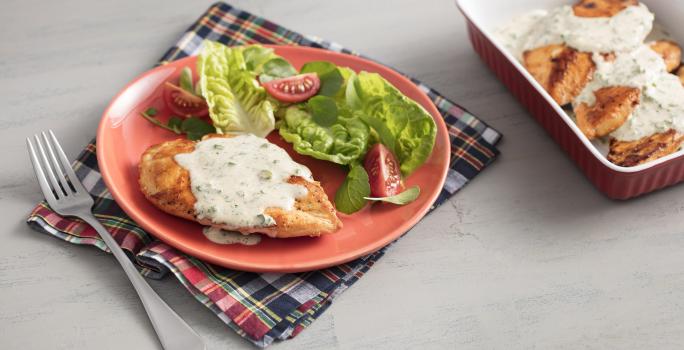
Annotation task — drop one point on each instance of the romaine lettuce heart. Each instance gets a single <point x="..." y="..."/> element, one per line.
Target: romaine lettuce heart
<point x="343" y="142"/>
<point x="377" y="101"/>
<point x="237" y="103"/>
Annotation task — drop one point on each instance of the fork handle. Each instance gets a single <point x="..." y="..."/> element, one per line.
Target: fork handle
<point x="172" y="331"/>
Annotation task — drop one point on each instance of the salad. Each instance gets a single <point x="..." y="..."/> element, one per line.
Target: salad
<point x="357" y="120"/>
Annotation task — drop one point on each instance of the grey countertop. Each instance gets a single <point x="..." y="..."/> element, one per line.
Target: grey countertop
<point x="529" y="255"/>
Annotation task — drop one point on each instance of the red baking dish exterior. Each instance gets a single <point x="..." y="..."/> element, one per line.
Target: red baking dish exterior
<point x="615" y="182"/>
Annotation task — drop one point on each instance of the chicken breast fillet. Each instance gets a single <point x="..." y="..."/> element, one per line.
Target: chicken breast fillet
<point x="562" y="71"/>
<point x="167" y="185"/>
<point x="670" y="51"/>
<point x="631" y="153"/>
<point x="680" y="74"/>
<point x="601" y="8"/>
<point x="613" y="106"/>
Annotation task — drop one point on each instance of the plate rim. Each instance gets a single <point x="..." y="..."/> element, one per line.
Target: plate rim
<point x="316" y="264"/>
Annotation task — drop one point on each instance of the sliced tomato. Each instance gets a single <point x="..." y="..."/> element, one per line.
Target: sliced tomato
<point x="183" y="103"/>
<point x="383" y="171"/>
<point x="296" y="88"/>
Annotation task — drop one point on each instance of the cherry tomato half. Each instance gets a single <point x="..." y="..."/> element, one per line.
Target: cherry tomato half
<point x="296" y="88"/>
<point x="383" y="171"/>
<point x="183" y="103"/>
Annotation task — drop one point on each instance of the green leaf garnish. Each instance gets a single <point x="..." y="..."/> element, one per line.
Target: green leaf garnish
<point x="151" y="111"/>
<point x="323" y="110"/>
<point x="175" y="124"/>
<point x="405" y="197"/>
<point x="195" y="128"/>
<point x="157" y="122"/>
<point x="276" y="68"/>
<point x="331" y="79"/>
<point x="185" y="80"/>
<point x="351" y="196"/>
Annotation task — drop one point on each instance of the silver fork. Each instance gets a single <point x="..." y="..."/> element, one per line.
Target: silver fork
<point x="67" y="196"/>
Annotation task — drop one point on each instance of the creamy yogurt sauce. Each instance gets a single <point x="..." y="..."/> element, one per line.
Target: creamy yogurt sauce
<point x="235" y="179"/>
<point x="622" y="32"/>
<point x="220" y="236"/>
<point x="661" y="106"/>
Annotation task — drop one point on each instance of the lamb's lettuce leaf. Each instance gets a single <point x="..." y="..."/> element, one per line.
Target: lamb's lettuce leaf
<point x="354" y="191"/>
<point x="329" y="74"/>
<point x="409" y="195"/>
<point x="343" y="142"/>
<point x="237" y="103"/>
<point x="397" y="121"/>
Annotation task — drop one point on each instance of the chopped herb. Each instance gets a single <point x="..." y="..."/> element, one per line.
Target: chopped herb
<point x="265" y="145"/>
<point x="265" y="175"/>
<point x="217" y="146"/>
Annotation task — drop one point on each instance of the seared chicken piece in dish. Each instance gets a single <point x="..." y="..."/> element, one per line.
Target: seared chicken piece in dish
<point x="631" y="153"/>
<point x="562" y="71"/>
<point x="613" y="106"/>
<point x="167" y="184"/>
<point x="680" y="74"/>
<point x="670" y="51"/>
<point x="601" y="8"/>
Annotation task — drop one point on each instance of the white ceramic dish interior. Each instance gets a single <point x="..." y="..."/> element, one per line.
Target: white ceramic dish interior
<point x="487" y="16"/>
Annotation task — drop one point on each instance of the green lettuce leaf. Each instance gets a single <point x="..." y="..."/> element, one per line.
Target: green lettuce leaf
<point x="237" y="103"/>
<point x="397" y="121"/>
<point x="343" y="142"/>
<point x="352" y="194"/>
<point x="256" y="56"/>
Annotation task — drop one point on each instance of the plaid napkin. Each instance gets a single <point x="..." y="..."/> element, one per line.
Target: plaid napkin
<point x="268" y="306"/>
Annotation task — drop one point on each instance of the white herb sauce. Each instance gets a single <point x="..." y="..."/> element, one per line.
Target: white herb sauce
<point x="217" y="235"/>
<point x="661" y="106"/>
<point x="235" y="179"/>
<point x="622" y="32"/>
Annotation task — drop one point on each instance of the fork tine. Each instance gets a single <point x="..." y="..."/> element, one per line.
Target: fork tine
<point x="40" y="175"/>
<point x="78" y="186"/>
<point x="59" y="192"/>
<point x="56" y="166"/>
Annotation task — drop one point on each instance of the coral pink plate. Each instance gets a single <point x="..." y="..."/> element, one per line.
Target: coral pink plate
<point x="123" y="135"/>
